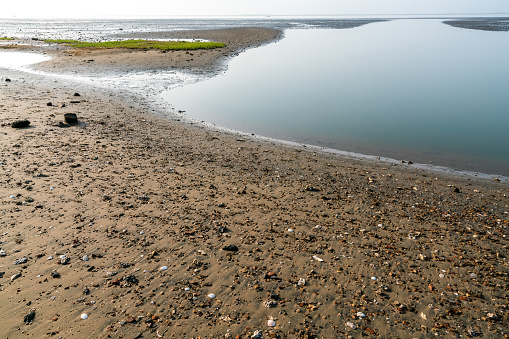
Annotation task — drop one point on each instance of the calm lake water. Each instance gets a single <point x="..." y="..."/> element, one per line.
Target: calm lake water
<point x="414" y="90"/>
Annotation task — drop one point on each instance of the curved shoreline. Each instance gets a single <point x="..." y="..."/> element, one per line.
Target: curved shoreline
<point x="309" y="239"/>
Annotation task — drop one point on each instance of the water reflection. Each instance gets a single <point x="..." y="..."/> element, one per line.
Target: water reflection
<point x="407" y="89"/>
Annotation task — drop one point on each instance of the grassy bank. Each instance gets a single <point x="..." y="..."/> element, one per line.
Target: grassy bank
<point x="141" y="44"/>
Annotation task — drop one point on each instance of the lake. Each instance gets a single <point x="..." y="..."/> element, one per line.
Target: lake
<point x="407" y="89"/>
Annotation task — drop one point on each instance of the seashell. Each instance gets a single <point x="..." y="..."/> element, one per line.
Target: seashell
<point x="301" y="282"/>
<point x="211" y="295"/>
<point x="317" y="259"/>
<point x="163" y="268"/>
<point x="361" y="315"/>
<point x="374" y="278"/>
<point x="84" y="316"/>
<point x="85" y="257"/>
<point x="271" y="323"/>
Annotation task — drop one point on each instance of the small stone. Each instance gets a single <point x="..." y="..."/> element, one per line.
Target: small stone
<point x="230" y="248"/>
<point x="269" y="304"/>
<point x="492" y="316"/>
<point x="84" y="316"/>
<point x="257" y="335"/>
<point x="85" y="257"/>
<point x="20" y="261"/>
<point x="163" y="268"/>
<point x="64" y="261"/>
<point x="211" y="295"/>
<point x="77" y="95"/>
<point x="29" y="318"/>
<point x="271" y="323"/>
<point x="71" y="118"/>
<point x="2" y="253"/>
<point x="351" y="325"/>
<point x="55" y="274"/>
<point x="473" y="275"/>
<point x="317" y="259"/>
<point x="20" y="124"/>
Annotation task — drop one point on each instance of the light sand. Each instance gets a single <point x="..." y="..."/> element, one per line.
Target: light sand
<point x="406" y="253"/>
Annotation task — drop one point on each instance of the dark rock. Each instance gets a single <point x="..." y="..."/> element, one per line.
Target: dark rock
<point x="55" y="274"/>
<point x="49" y="104"/>
<point x="20" y="124"/>
<point x="77" y="94"/>
<point x="29" y="318"/>
<point x="230" y="248"/>
<point x="7" y="80"/>
<point x="86" y="291"/>
<point x="131" y="279"/>
<point x="71" y="118"/>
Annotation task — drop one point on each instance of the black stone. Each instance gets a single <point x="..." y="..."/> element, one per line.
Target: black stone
<point x="29" y="318"/>
<point x="20" y="124"/>
<point x="231" y="248"/>
<point x="71" y="118"/>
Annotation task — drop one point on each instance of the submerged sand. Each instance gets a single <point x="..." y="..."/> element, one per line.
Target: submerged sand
<point x="193" y="233"/>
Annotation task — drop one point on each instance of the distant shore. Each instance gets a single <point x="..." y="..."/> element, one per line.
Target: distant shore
<point x="155" y="228"/>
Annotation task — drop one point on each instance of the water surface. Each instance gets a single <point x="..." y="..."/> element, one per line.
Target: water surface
<point x="417" y="90"/>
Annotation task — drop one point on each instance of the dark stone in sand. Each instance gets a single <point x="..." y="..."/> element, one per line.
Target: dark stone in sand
<point x="77" y="94"/>
<point x="49" y="104"/>
<point x="231" y="248"/>
<point x="7" y="80"/>
<point x="20" y="124"/>
<point x="55" y="274"/>
<point x="71" y="118"/>
<point x="29" y="318"/>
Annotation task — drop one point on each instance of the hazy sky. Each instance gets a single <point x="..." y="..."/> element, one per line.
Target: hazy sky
<point x="168" y="8"/>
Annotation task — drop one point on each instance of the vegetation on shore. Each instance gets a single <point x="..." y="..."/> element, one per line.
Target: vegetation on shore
<point x="141" y="44"/>
<point x="6" y="38"/>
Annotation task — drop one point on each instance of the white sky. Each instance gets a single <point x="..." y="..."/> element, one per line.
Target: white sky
<point x="168" y="8"/>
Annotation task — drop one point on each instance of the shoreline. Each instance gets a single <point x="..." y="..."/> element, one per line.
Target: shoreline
<point x="271" y="231"/>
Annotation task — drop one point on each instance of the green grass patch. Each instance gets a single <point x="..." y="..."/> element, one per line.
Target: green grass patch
<point x="6" y="38"/>
<point x="141" y="44"/>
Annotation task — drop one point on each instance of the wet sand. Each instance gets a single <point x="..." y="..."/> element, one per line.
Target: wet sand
<point x="193" y="233"/>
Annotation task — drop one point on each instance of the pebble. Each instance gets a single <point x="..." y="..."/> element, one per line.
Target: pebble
<point x="84" y="316"/>
<point x="473" y="275"/>
<point x="361" y="315"/>
<point x="271" y="323"/>
<point x="301" y="282"/>
<point x="164" y="268"/>
<point x="317" y="259"/>
<point x="351" y="325"/>
<point x="211" y="295"/>
<point x="2" y="253"/>
<point x="85" y="257"/>
<point x="20" y="261"/>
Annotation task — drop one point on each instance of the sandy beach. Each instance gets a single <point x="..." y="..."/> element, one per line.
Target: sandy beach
<point x="131" y="225"/>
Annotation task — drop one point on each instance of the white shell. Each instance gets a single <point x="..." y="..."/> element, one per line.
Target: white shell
<point x="163" y="268"/>
<point x="85" y="257"/>
<point x="271" y="323"/>
<point x="211" y="296"/>
<point x="84" y="316"/>
<point x="317" y="259"/>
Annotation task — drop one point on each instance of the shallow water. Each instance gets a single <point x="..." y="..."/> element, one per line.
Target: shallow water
<point x="417" y="90"/>
<point x="16" y="60"/>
